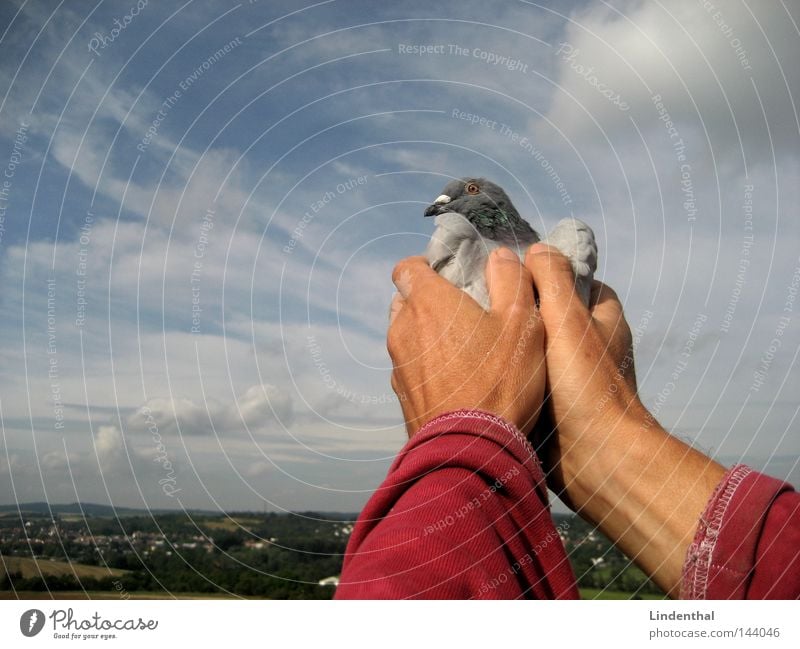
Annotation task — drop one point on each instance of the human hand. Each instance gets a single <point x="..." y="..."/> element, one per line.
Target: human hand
<point x="606" y="455"/>
<point x="591" y="382"/>
<point x="448" y="353"/>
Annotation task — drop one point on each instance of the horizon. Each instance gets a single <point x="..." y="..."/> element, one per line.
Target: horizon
<point x="162" y="510"/>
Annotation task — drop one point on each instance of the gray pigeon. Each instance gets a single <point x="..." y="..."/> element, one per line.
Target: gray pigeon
<point x="474" y="216"/>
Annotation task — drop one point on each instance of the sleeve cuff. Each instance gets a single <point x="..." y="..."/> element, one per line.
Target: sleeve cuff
<point x="721" y="559"/>
<point x="483" y="424"/>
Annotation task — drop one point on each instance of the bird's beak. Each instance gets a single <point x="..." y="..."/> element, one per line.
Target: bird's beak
<point x="438" y="205"/>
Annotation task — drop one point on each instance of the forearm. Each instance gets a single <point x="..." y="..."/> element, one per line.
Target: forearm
<point x="462" y="514"/>
<point x="644" y="489"/>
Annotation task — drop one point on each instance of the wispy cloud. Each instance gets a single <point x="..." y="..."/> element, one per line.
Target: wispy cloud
<point x="246" y="208"/>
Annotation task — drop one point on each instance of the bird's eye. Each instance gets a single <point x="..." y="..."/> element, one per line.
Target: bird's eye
<point x="472" y="188"/>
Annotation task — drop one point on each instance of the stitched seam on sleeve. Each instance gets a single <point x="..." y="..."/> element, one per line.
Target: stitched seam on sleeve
<point x="538" y="471"/>
<point x="485" y="416"/>
<point x="510" y="428"/>
<point x="702" y="549"/>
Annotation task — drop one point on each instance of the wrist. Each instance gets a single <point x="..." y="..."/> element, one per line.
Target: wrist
<point x="473" y="419"/>
<point x="643" y="488"/>
<point x="599" y="465"/>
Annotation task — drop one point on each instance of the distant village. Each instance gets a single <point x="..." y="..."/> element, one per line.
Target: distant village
<point x="296" y="555"/>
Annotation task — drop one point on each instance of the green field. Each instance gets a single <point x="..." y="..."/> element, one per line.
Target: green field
<point x="231" y="524"/>
<point x="196" y="555"/>
<point x="600" y="593"/>
<point x="79" y="594"/>
<point x="35" y="567"/>
<point x="586" y="593"/>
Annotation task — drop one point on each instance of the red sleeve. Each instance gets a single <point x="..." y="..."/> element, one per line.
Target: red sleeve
<point x="747" y="544"/>
<point x="462" y="514"/>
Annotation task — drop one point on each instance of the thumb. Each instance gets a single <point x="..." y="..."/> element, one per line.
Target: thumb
<point x="414" y="275"/>
<point x="510" y="284"/>
<point x="555" y="283"/>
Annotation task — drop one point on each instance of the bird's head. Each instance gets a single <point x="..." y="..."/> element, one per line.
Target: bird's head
<point x="482" y="202"/>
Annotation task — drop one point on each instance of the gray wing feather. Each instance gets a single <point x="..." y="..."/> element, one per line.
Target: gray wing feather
<point x="458" y="253"/>
<point x="576" y="241"/>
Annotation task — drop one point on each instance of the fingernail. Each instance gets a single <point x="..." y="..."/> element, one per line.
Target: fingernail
<point x="538" y="247"/>
<point x="506" y="253"/>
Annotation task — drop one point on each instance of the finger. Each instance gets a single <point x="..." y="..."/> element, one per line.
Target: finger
<point x="555" y="283"/>
<point x="414" y="275"/>
<point x="594" y="292"/>
<point x="610" y="320"/>
<point x="608" y="316"/>
<point x="397" y="303"/>
<point x="509" y="283"/>
<point x="395" y="337"/>
<point x="606" y="307"/>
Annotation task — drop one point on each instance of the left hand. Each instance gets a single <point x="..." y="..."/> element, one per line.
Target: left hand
<point x="448" y="353"/>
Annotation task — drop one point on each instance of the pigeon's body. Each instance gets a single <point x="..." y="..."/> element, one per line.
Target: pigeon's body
<point x="457" y="251"/>
<point x="474" y="216"/>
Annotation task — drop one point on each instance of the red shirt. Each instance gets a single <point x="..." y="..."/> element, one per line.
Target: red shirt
<point x="464" y="514"/>
<point x="747" y="544"/>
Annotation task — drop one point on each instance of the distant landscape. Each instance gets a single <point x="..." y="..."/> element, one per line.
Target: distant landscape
<point x="82" y="551"/>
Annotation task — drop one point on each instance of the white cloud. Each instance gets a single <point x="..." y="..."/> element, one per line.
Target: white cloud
<point x="714" y="70"/>
<point x="252" y="365"/>
<point x="261" y="408"/>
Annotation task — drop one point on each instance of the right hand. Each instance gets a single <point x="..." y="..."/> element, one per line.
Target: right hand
<point x="591" y="383"/>
<point x="606" y="455"/>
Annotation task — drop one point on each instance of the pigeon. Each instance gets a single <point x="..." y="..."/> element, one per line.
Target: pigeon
<point x="474" y="216"/>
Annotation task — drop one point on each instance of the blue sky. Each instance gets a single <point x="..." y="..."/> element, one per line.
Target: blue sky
<point x="267" y="165"/>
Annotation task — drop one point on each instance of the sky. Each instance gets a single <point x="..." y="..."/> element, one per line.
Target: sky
<point x="201" y="204"/>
